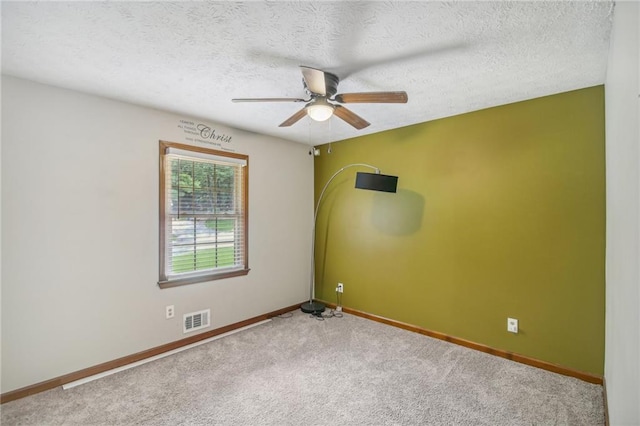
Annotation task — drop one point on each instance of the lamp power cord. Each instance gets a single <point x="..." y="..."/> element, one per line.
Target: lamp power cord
<point x="333" y="313"/>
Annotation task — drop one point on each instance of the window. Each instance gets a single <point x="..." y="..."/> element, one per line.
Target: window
<point x="203" y="214"/>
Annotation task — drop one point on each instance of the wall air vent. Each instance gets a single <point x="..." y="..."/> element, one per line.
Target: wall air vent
<point x="196" y="320"/>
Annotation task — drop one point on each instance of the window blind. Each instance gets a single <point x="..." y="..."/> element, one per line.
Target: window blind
<point x="204" y="214"/>
<point x="177" y="152"/>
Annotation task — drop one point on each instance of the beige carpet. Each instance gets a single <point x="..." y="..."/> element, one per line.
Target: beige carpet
<point x="341" y="371"/>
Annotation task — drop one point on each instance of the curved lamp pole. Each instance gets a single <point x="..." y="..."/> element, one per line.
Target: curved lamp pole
<point x="317" y="307"/>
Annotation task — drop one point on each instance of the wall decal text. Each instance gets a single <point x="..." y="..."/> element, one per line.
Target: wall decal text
<point x="199" y="132"/>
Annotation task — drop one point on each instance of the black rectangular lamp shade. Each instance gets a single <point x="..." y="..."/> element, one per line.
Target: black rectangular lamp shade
<point x="376" y="182"/>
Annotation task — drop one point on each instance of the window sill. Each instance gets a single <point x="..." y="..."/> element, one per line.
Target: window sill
<point x="201" y="278"/>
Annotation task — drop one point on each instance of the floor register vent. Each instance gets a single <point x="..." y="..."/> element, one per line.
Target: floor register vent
<point x="196" y="320"/>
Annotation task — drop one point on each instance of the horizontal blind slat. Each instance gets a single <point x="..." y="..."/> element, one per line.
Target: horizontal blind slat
<point x="177" y="152"/>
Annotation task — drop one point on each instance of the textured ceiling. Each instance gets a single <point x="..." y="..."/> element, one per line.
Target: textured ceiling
<point x="193" y="57"/>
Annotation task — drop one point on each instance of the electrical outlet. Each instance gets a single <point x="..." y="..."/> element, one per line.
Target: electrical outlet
<point x="169" y="311"/>
<point x="512" y="325"/>
<point x="340" y="288"/>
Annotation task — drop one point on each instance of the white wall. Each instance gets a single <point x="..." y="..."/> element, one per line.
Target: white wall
<point x="80" y="232"/>
<point x="622" y="91"/>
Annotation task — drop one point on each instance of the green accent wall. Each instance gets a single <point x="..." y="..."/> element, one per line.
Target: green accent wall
<point x="499" y="213"/>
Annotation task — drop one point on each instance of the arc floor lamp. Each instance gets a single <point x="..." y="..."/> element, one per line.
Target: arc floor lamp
<point x="372" y="181"/>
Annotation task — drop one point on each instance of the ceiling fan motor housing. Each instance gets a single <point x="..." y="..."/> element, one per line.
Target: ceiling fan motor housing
<point x="331" y="85"/>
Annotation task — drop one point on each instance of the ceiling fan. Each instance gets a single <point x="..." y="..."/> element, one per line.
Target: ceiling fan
<point x="322" y="86"/>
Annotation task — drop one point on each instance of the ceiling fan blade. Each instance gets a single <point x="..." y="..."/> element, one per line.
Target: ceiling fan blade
<point x="314" y="79"/>
<point x="318" y="82"/>
<point x="350" y="117"/>
<point x="269" y="100"/>
<point x="373" y="97"/>
<point x="294" y="118"/>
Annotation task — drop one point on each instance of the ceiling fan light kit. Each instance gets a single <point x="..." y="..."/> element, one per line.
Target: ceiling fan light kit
<point x="321" y="86"/>
<point x="320" y="109"/>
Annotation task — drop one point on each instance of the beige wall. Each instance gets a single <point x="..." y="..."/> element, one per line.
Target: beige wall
<point x="80" y="232"/>
<point x="622" y="87"/>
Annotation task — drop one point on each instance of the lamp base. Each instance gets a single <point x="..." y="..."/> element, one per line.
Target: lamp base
<point x="312" y="308"/>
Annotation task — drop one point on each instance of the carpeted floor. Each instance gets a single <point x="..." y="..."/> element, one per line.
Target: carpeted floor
<point x="341" y="371"/>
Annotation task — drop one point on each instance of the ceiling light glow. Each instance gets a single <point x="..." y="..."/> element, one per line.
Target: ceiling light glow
<point x="320" y="110"/>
